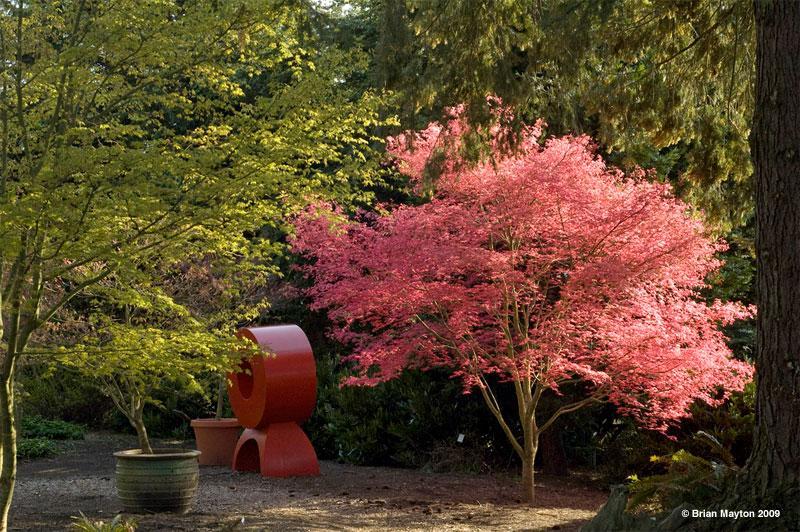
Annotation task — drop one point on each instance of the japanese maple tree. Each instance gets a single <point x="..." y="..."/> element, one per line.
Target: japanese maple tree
<point x="537" y="268"/>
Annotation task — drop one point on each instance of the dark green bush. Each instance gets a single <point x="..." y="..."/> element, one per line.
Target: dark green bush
<point x="55" y="393"/>
<point x="36" y="448"/>
<point x="51" y="429"/>
<point x="616" y="447"/>
<point x="731" y="424"/>
<point x="413" y="421"/>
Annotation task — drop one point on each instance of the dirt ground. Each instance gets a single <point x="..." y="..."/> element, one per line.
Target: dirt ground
<point x="50" y="491"/>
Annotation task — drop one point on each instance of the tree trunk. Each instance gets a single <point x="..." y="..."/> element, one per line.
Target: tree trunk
<point x="528" y="480"/>
<point x="221" y="390"/>
<point x="8" y="442"/>
<point x="528" y="464"/>
<point x="141" y="433"/>
<point x="773" y="469"/>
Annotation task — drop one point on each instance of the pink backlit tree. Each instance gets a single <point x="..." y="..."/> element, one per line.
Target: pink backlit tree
<point x="538" y="268"/>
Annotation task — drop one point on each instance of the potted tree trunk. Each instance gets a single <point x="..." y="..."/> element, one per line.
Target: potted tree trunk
<point x="216" y="437"/>
<point x="129" y="363"/>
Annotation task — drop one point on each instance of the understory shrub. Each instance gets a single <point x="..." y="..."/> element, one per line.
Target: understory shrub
<point x="415" y="421"/>
<point x="412" y="422"/>
<point x="38" y="436"/>
<point x="51" y="429"/>
<point x="30" y="448"/>
<point x="722" y="434"/>
<point x="731" y="424"/>
<point x="55" y="393"/>
<point x="688" y="479"/>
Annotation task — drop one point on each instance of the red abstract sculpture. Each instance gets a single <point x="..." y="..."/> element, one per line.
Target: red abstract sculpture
<point x="270" y="396"/>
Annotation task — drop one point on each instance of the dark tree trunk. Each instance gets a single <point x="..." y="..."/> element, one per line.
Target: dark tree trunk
<point x="551" y="450"/>
<point x="529" y="478"/>
<point x="773" y="470"/>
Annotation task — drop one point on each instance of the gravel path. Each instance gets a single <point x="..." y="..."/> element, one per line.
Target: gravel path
<point x="344" y="497"/>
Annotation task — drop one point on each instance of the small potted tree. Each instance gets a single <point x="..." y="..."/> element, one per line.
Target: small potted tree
<point x="129" y="362"/>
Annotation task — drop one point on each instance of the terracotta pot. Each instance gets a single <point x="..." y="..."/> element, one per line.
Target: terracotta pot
<point x="165" y="481"/>
<point x="216" y="439"/>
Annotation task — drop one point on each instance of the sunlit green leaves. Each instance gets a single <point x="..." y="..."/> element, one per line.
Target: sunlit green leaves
<point x="151" y="154"/>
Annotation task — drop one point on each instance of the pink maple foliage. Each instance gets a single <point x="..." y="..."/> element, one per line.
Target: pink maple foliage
<point x="539" y="268"/>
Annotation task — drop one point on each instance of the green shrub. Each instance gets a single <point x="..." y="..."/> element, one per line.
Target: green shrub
<point x="58" y="393"/>
<point x="731" y="424"/>
<point x="55" y="393"/>
<point x="685" y="478"/>
<point x="36" y="448"/>
<point x="51" y="429"/>
<point x="689" y="479"/>
<point x="413" y="421"/>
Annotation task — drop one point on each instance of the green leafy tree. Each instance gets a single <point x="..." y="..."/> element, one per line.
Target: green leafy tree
<point x="149" y="132"/>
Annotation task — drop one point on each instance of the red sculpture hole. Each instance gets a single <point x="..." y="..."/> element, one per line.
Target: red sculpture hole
<point x="244" y="379"/>
<point x="248" y="457"/>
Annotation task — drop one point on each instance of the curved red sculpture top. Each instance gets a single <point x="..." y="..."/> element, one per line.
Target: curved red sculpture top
<point x="280" y="385"/>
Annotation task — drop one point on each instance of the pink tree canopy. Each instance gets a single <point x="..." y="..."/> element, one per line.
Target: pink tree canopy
<point x="540" y="267"/>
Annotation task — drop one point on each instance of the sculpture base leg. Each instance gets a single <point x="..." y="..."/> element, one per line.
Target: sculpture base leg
<point x="279" y="450"/>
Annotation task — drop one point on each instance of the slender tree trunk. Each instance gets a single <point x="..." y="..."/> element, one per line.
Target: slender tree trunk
<point x="8" y="442"/>
<point x="137" y="420"/>
<point x="773" y="470"/>
<point x="16" y="342"/>
<point x="528" y="464"/>
<point x="6" y="425"/>
<point x="221" y="390"/>
<point x="141" y="433"/>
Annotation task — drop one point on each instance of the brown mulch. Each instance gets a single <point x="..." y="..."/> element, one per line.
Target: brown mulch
<point x="343" y="497"/>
